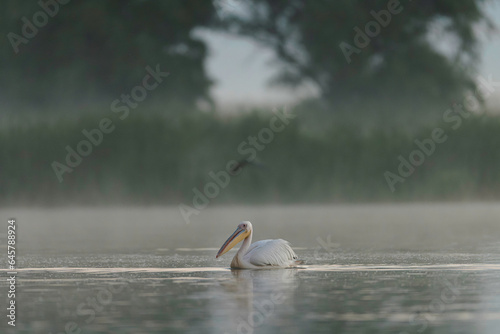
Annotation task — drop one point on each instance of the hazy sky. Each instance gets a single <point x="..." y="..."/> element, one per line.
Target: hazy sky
<point x="242" y="69"/>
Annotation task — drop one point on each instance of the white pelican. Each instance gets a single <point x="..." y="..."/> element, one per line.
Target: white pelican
<point x="264" y="254"/>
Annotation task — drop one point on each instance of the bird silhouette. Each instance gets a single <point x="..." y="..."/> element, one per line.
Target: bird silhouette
<point x="243" y="163"/>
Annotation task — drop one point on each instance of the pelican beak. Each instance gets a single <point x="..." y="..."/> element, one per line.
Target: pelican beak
<point x="236" y="237"/>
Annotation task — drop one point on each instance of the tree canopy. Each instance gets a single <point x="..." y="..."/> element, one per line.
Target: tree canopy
<point x="84" y="50"/>
<point x="384" y="52"/>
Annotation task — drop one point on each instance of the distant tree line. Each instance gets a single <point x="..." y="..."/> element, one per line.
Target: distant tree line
<point x="152" y="159"/>
<point x="364" y="56"/>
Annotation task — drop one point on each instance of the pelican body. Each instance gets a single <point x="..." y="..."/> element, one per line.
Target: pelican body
<point x="264" y="254"/>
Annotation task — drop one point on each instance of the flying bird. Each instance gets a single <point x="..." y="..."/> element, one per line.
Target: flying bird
<point x="264" y="254"/>
<point x="243" y="163"/>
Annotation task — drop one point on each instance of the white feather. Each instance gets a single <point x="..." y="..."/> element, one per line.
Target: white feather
<point x="271" y="252"/>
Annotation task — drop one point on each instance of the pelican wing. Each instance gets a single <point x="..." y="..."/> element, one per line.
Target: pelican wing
<point x="272" y="252"/>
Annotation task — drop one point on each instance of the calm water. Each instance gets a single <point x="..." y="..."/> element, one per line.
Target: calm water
<point x="369" y="269"/>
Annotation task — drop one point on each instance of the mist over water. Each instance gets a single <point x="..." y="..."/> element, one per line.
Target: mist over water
<point x="368" y="268"/>
<point x="424" y="226"/>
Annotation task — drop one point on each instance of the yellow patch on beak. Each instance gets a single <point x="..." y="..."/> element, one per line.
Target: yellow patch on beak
<point x="234" y="239"/>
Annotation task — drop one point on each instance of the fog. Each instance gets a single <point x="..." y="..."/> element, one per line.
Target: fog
<point x="329" y="228"/>
<point x="136" y="135"/>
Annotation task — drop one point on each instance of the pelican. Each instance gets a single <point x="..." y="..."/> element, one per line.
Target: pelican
<point x="264" y="254"/>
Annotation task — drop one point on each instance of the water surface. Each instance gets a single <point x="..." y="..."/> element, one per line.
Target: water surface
<point x="369" y="269"/>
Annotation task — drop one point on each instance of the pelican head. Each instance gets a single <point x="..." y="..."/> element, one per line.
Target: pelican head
<point x="243" y="230"/>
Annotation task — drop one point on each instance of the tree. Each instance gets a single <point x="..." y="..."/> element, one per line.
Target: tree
<point x="96" y="50"/>
<point x="361" y="54"/>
